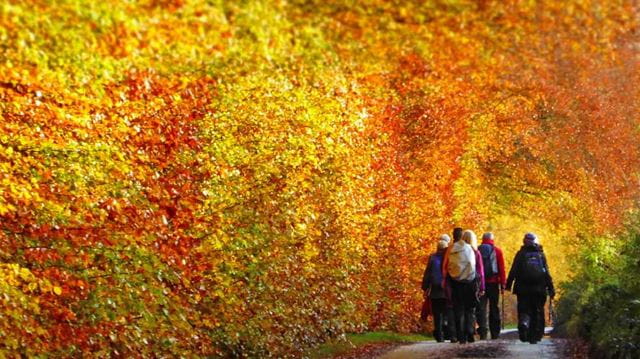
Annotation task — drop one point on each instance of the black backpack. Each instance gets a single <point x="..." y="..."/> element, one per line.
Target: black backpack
<point x="489" y="260"/>
<point x="533" y="269"/>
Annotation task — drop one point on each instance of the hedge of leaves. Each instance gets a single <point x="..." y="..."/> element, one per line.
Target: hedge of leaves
<point x="249" y="178"/>
<point x="600" y="304"/>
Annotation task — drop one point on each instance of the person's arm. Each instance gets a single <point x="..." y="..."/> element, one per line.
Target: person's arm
<point x="513" y="271"/>
<point x="549" y="280"/>
<point x="445" y="264"/>
<point x="501" y="271"/>
<point x="426" y="278"/>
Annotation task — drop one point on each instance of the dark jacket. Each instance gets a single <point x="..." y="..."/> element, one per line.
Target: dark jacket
<point x="542" y="287"/>
<point x="436" y="290"/>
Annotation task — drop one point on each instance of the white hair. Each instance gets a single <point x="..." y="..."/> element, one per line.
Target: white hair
<point x="488" y="236"/>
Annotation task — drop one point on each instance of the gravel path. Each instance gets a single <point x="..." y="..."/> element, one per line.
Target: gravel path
<point x="506" y="347"/>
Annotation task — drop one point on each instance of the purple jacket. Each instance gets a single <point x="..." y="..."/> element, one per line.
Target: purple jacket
<point x="479" y="269"/>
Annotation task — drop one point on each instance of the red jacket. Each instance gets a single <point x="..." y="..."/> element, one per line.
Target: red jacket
<point x="501" y="277"/>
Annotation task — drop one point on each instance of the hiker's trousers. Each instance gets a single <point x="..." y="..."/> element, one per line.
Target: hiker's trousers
<point x="491" y="297"/>
<point x="531" y="316"/>
<point x="463" y="296"/>
<point x="439" y="309"/>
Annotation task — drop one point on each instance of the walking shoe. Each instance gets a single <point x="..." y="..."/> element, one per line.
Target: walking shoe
<point x="470" y="338"/>
<point x="523" y="329"/>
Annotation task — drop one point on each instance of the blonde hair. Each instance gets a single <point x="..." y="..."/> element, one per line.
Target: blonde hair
<point x="471" y="239"/>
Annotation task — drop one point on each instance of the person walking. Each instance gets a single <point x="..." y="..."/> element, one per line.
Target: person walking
<point x="450" y="318"/>
<point x="448" y="326"/>
<point x="533" y="282"/>
<point x="495" y="279"/>
<point x="459" y="271"/>
<point x="433" y="290"/>
<point x="479" y="285"/>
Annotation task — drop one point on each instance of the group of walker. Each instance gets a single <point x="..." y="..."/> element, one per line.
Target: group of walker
<point x="462" y="277"/>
